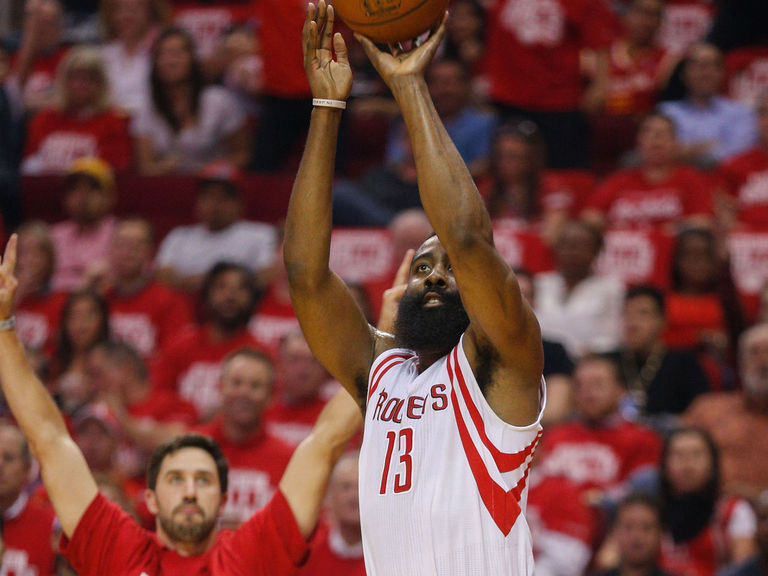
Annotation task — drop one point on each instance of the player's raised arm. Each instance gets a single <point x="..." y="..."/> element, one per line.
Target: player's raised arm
<point x="69" y="483"/>
<point x="335" y="328"/>
<point x="501" y="322"/>
<point x="306" y="478"/>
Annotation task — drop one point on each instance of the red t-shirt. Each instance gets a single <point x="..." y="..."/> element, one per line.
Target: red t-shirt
<point x="273" y="319"/>
<point x="532" y="51"/>
<point x="628" y="198"/>
<point x="207" y="22"/>
<point x="633" y="79"/>
<point x="746" y="177"/>
<point x="255" y="469"/>
<point x="165" y="406"/>
<point x="41" y="79"/>
<point x="37" y="320"/>
<point x="747" y="73"/>
<point x="55" y="140"/>
<point x="108" y="541"/>
<point x="280" y="34"/>
<point x="689" y="316"/>
<point x="27" y="539"/>
<point x="325" y="560"/>
<point x="293" y="423"/>
<point x="685" y="22"/>
<point x="601" y="457"/>
<point x="191" y="365"/>
<point x="148" y="319"/>
<point x="555" y="504"/>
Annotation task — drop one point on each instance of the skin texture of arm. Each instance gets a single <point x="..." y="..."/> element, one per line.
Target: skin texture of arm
<point x="335" y="328"/>
<point x="66" y="476"/>
<point x="503" y="328"/>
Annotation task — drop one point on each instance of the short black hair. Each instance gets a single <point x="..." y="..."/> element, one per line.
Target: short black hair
<point x="191" y="440"/>
<point x="648" y="291"/>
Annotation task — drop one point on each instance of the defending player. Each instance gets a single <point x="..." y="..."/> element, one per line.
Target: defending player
<point x="187" y="482"/>
<point x="453" y="399"/>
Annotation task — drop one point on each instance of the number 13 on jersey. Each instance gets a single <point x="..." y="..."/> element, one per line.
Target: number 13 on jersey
<point x="403" y="442"/>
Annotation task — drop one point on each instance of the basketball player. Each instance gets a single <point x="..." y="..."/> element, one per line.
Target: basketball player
<point x="187" y="484"/>
<point x="453" y="398"/>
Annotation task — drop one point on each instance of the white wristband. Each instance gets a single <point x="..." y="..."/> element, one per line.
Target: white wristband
<point x="325" y="103"/>
<point x="8" y="324"/>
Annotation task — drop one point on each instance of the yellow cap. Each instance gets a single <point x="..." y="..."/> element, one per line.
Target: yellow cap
<point x="97" y="169"/>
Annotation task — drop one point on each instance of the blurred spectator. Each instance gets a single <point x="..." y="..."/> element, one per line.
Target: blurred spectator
<point x="638" y="68"/>
<point x="746" y="178"/>
<point x="142" y="312"/>
<point x="637" y="534"/>
<point x="658" y="192"/>
<point x="540" y="42"/>
<point x="558" y="366"/>
<point x="738" y="421"/>
<point x="517" y="187"/>
<point x="703" y="308"/>
<point x="470" y="129"/>
<point x="186" y="125"/>
<point x="131" y="27"/>
<point x="286" y="98"/>
<point x="84" y="324"/>
<point x="98" y="434"/>
<point x="660" y="381"/>
<point x="81" y="123"/>
<point x="299" y="397"/>
<point x="81" y="243"/>
<point x="240" y="66"/>
<point x="337" y="548"/>
<point x="709" y="127"/>
<point x="755" y="566"/>
<point x="465" y="34"/>
<point x="38" y="307"/>
<point x="40" y="53"/>
<point x="703" y="530"/>
<point x="257" y="459"/>
<point x="191" y="363"/>
<point x="574" y="305"/>
<point x="27" y="525"/>
<point x="685" y="23"/>
<point x="188" y="253"/>
<point x="600" y="450"/>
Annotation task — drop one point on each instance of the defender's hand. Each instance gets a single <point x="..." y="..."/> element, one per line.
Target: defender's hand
<point x="398" y="66"/>
<point x="8" y="282"/>
<point x="327" y="78"/>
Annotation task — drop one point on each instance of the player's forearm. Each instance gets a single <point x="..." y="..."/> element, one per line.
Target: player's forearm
<point x="30" y="403"/>
<point x="309" y="220"/>
<point x="448" y="192"/>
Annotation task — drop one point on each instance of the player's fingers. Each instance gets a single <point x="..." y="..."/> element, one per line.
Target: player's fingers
<point x="340" y="47"/>
<point x="436" y="37"/>
<point x="312" y="42"/>
<point x="8" y="265"/>
<point x="327" y="40"/>
<point x="401" y="277"/>
<point x="368" y="46"/>
<point x="322" y="8"/>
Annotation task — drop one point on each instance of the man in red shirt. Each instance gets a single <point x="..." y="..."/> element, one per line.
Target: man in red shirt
<point x="191" y="363"/>
<point x="27" y="525"/>
<point x="187" y="484"/>
<point x="142" y="312"/>
<point x="599" y="450"/>
<point x="532" y="63"/>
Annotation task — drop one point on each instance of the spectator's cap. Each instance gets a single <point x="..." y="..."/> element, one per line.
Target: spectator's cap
<point x="100" y="413"/>
<point x="94" y="168"/>
<point x="221" y="172"/>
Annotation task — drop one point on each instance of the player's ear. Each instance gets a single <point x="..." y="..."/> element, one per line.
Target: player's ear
<point x="151" y="500"/>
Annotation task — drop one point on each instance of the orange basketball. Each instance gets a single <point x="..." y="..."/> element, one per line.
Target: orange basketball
<point x="390" y="20"/>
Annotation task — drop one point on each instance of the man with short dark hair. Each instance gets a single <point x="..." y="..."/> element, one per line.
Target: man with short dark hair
<point x="188" y="489"/>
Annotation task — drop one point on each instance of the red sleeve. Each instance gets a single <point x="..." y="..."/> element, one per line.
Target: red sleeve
<point x="107" y="541"/>
<point x="596" y="24"/>
<point x="699" y="196"/>
<point x="115" y="145"/>
<point x="270" y="542"/>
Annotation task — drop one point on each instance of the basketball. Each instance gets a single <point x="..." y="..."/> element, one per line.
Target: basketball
<point x="390" y="20"/>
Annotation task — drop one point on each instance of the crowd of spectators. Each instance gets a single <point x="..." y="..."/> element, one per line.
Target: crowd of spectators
<point x="621" y="147"/>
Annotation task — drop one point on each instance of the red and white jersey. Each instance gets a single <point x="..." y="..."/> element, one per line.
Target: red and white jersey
<point x="27" y="538"/>
<point x="443" y="480"/>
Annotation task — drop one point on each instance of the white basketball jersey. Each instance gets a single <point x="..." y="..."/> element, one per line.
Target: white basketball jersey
<point x="443" y="480"/>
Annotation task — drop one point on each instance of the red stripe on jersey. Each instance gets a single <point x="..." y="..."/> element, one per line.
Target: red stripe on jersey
<point x="502" y="505"/>
<point x="398" y="359"/>
<point x="504" y="462"/>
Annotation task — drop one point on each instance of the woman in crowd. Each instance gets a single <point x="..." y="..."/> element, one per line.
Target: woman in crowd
<point x="82" y="123"/>
<point x="186" y="125"/>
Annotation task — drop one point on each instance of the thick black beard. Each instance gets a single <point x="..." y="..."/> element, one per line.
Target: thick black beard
<point x="187" y="533"/>
<point x="430" y="330"/>
<point x="231" y="324"/>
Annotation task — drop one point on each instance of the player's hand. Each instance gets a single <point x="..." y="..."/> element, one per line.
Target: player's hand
<point x="391" y="300"/>
<point x="8" y="282"/>
<point x="398" y="65"/>
<point x="328" y="78"/>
